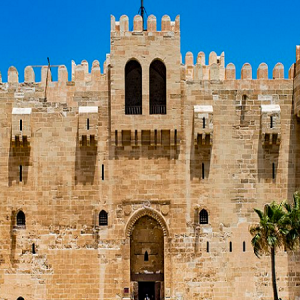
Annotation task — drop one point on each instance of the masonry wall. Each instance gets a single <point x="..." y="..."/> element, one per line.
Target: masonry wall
<point x="65" y="184"/>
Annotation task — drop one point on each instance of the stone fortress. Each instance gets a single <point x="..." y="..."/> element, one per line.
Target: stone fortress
<point x="142" y="179"/>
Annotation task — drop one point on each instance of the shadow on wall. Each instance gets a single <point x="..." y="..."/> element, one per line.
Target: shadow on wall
<point x="143" y="151"/>
<point x="267" y="159"/>
<point x="85" y="163"/>
<point x="18" y="164"/>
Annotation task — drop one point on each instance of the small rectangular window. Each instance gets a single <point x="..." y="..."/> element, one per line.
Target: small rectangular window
<point x="88" y="124"/>
<point x="203" y="120"/>
<point x="244" y="246"/>
<point x="230" y="246"/>
<point x="33" y="248"/>
<point x="175" y="137"/>
<point x="21" y="125"/>
<point x="207" y="246"/>
<point x="203" y="171"/>
<point x="273" y="170"/>
<point x="102" y="172"/>
<point x="21" y="173"/>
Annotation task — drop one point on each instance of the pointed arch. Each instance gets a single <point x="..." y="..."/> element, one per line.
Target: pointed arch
<point x="146" y="211"/>
<point x="133" y="88"/>
<point x="21" y="220"/>
<point x="158" y="87"/>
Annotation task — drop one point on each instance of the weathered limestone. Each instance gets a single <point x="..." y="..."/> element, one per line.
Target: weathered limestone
<point x="112" y="192"/>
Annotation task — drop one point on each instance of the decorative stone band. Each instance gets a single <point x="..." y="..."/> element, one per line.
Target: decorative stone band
<point x="146" y="211"/>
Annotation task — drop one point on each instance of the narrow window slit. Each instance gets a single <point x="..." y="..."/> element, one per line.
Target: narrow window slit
<point x="146" y="256"/>
<point x="88" y="124"/>
<point x="244" y="246"/>
<point x="102" y="172"/>
<point x="271" y="122"/>
<point x="230" y="246"/>
<point x="273" y="170"/>
<point x="203" y="120"/>
<point x="203" y="171"/>
<point x="136" y="137"/>
<point x="116" y="137"/>
<point x="207" y="246"/>
<point x="21" y="173"/>
<point x="33" y="248"/>
<point x="175" y="137"/>
<point x="21" y="125"/>
<point x="155" y="136"/>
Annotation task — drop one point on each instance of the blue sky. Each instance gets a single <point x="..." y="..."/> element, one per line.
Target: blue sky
<point x="247" y="31"/>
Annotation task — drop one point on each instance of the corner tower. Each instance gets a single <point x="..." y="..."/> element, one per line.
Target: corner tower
<point x="145" y="90"/>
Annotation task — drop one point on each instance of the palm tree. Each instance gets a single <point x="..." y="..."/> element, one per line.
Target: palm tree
<point x="269" y="234"/>
<point x="293" y="214"/>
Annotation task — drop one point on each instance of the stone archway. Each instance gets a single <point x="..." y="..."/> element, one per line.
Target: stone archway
<point x="146" y="211"/>
<point x="146" y="242"/>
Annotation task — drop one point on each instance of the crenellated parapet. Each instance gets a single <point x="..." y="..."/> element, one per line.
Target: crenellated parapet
<point x="215" y="70"/>
<point x="80" y="74"/>
<point x="121" y="27"/>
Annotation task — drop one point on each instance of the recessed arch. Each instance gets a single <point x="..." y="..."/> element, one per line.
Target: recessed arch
<point x="20" y="298"/>
<point x="146" y="211"/>
<point x="203" y="216"/>
<point x="133" y="88"/>
<point x="21" y="220"/>
<point x="158" y="87"/>
<point x="103" y="218"/>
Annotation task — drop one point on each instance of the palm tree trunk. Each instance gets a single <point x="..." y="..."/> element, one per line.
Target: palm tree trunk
<point x="273" y="274"/>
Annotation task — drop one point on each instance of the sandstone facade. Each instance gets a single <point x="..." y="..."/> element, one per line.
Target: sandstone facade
<point x="143" y="178"/>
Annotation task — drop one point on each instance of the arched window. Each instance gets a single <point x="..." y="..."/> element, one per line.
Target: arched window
<point x="133" y="88"/>
<point x="103" y="221"/>
<point x="203" y="217"/>
<point x="158" y="88"/>
<point x="20" y="298"/>
<point x="21" y="218"/>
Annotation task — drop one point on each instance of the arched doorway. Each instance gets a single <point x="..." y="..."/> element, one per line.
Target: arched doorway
<point x="147" y="259"/>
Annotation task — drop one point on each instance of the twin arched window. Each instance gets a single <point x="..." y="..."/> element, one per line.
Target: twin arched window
<point x="133" y="88"/>
<point x="157" y="88"/>
<point x="21" y="221"/>
<point x="103" y="219"/>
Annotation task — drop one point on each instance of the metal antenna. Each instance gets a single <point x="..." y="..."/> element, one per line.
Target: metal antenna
<point x="48" y="69"/>
<point x="142" y="12"/>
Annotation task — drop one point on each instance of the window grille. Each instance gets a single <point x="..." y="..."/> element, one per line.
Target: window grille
<point x="103" y="220"/>
<point x="203" y="217"/>
<point x="21" y="218"/>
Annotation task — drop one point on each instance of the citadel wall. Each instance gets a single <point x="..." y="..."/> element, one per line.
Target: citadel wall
<point x="70" y="173"/>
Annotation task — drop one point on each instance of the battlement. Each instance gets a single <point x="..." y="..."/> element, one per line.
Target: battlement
<point x="216" y="70"/>
<point x="121" y="27"/>
<point x="80" y="73"/>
